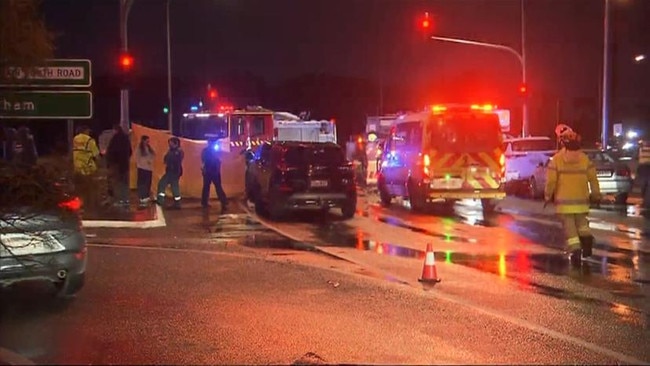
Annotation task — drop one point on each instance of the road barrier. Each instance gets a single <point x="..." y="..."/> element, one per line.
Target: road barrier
<point x="191" y="183"/>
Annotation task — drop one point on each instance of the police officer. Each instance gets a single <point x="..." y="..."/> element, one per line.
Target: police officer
<point x="570" y="176"/>
<point x="211" y="168"/>
<point x="84" y="158"/>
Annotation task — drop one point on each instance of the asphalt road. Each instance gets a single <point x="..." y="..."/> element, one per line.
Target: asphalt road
<point x="215" y="289"/>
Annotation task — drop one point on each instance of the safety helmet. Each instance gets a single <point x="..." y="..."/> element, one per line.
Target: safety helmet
<point x="565" y="133"/>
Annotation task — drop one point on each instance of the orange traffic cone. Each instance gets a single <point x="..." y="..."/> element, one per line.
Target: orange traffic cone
<point x="429" y="272"/>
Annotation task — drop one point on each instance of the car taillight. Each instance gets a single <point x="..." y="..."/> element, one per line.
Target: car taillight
<point x="73" y="204"/>
<point x="624" y="172"/>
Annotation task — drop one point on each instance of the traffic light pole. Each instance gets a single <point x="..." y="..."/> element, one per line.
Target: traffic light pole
<point x="605" y="82"/>
<point x="125" y="7"/>
<point x="169" y="75"/>
<point x="520" y="57"/>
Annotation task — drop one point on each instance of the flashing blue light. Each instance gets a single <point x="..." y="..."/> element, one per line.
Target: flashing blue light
<point x="216" y="147"/>
<point x="194" y="108"/>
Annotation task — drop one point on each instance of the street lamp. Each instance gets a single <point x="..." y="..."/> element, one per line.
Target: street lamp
<point x="639" y="58"/>
<point x="521" y="57"/>
<point x="169" y="74"/>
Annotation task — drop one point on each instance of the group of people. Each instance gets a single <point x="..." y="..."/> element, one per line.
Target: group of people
<point x="118" y="156"/>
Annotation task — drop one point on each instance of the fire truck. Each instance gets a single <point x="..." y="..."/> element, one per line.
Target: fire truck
<point x="236" y="129"/>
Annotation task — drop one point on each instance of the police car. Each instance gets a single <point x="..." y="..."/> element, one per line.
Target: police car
<point x="523" y="156"/>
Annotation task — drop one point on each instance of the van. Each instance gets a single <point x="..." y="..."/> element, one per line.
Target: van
<point x="442" y="155"/>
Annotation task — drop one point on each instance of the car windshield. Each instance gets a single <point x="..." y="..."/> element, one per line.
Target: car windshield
<point x="533" y="145"/>
<point x="319" y="155"/>
<point x="600" y="157"/>
<point x="471" y="132"/>
<point x="196" y="127"/>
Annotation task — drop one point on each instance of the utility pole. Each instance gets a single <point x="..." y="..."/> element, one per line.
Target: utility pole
<point x="524" y="107"/>
<point x="125" y="7"/>
<point x="169" y="75"/>
<point x="605" y="81"/>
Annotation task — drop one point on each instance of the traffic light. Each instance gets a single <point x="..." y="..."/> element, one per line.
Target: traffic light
<point x="213" y="94"/>
<point x="126" y="62"/>
<point x="165" y="110"/>
<point x="425" y="23"/>
<point x="523" y="89"/>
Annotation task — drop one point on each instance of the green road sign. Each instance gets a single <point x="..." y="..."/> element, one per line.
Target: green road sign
<point x="40" y="104"/>
<point x="53" y="73"/>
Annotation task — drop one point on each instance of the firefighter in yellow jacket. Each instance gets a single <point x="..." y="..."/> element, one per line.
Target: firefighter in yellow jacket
<point x="84" y="158"/>
<point x="572" y="185"/>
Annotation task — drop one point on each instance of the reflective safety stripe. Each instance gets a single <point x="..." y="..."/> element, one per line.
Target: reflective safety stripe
<point x="161" y="194"/>
<point x="573" y="243"/>
<point x="573" y="171"/>
<point x="575" y="201"/>
<point x="177" y="198"/>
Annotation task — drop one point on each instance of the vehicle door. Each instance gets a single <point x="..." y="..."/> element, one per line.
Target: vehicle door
<point x="262" y="168"/>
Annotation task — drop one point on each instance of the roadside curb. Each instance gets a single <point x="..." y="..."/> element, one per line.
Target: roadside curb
<point x="158" y="222"/>
<point x="11" y="358"/>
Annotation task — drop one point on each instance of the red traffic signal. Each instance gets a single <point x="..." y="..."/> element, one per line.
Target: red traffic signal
<point x="426" y="22"/>
<point x="213" y="94"/>
<point x="126" y="62"/>
<point x="523" y="89"/>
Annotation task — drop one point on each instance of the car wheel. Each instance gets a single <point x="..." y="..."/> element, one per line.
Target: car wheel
<point x="532" y="188"/>
<point x="384" y="196"/>
<point x="448" y="206"/>
<point x="489" y="205"/>
<point x="348" y="209"/>
<point x="70" y="286"/>
<point x="621" y="199"/>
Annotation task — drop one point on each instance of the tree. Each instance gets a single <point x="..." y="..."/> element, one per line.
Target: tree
<point x="24" y="38"/>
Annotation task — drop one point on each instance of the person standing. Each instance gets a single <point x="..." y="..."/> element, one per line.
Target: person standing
<point x="173" y="172"/>
<point x="118" y="157"/>
<point x="572" y="185"/>
<point x="84" y="159"/>
<point x="25" y="148"/>
<point x="144" y="158"/>
<point x="211" y="169"/>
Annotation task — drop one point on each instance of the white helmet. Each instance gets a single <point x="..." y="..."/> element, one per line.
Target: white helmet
<point x="563" y="130"/>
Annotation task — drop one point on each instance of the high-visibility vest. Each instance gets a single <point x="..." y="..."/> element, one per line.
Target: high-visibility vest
<point x="569" y="180"/>
<point x="84" y="152"/>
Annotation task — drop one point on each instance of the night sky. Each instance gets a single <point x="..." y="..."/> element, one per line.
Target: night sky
<point x="379" y="40"/>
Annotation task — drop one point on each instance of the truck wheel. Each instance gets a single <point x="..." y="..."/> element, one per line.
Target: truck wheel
<point x="276" y="210"/>
<point x="417" y="201"/>
<point x="348" y="209"/>
<point x="384" y="196"/>
<point x="621" y="199"/>
<point x="489" y="205"/>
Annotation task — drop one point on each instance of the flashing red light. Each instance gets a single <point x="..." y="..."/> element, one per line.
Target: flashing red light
<point x="213" y="94"/>
<point x="426" y="23"/>
<point x="523" y="89"/>
<point x="73" y="204"/>
<point x="126" y="61"/>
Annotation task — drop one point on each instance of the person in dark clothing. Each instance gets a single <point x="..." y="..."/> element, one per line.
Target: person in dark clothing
<point x="211" y="168"/>
<point x="24" y="148"/>
<point x="9" y="144"/>
<point x="173" y="172"/>
<point x="118" y="157"/>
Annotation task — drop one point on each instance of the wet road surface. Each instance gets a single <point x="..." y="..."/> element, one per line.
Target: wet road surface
<point x="155" y="305"/>
<point x="213" y="288"/>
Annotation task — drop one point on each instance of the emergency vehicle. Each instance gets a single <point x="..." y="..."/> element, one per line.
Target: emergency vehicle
<point x="444" y="154"/>
<point x="523" y="156"/>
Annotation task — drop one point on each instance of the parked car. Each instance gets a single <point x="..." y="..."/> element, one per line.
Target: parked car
<point x="285" y="175"/>
<point x="41" y="236"/>
<point x="614" y="176"/>
<point x="523" y="155"/>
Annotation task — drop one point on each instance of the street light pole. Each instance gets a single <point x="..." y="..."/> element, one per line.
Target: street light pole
<point x="524" y="107"/>
<point x="520" y="57"/>
<point x="605" y="82"/>
<point x="125" y="7"/>
<point x="169" y="75"/>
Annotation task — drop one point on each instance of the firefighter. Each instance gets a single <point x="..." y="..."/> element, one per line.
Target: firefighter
<point x="211" y="169"/>
<point x="84" y="158"/>
<point x="173" y="172"/>
<point x="570" y="176"/>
